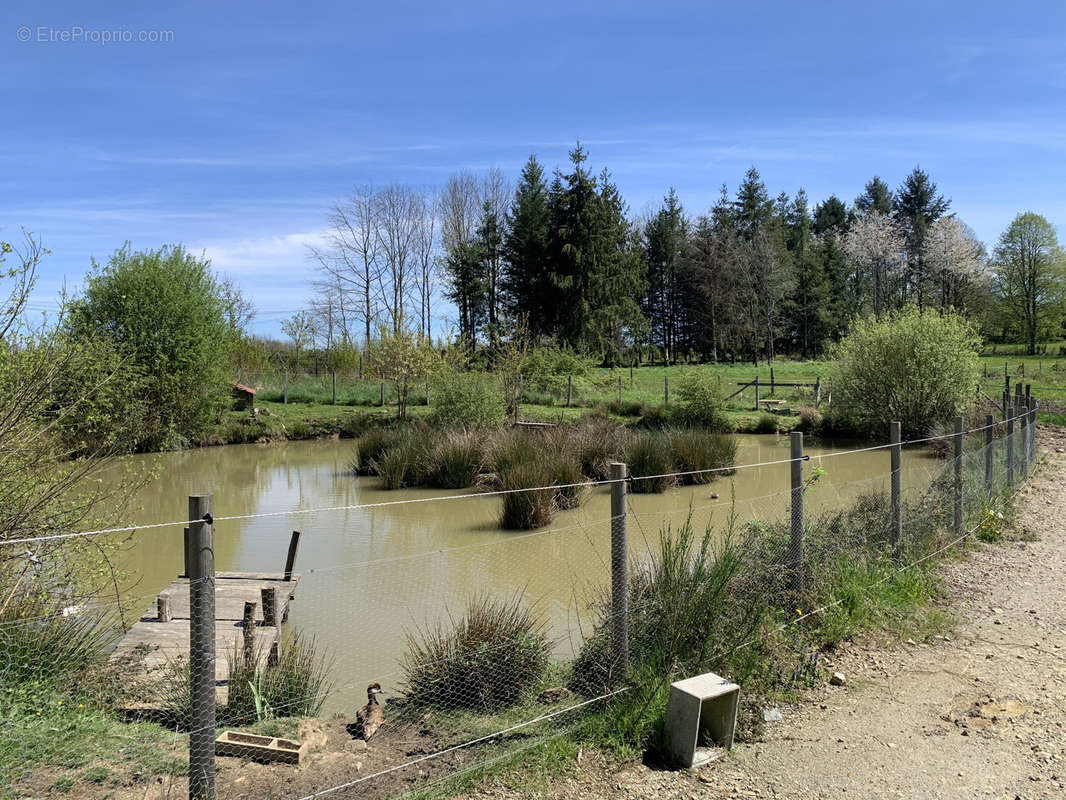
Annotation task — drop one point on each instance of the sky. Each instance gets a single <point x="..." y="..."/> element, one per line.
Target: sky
<point x="234" y="127"/>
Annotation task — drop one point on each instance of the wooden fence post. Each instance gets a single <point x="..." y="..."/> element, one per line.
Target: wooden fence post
<point x="989" y="472"/>
<point x="619" y="388"/>
<point x="285" y="394"/>
<point x="381" y="401"/>
<point x="201" y="649"/>
<point x="334" y="387"/>
<point x="756" y="392"/>
<point x="795" y="550"/>
<point x="666" y="390"/>
<point x="1006" y="404"/>
<point x="895" y="533"/>
<point x="817" y="391"/>
<point x="248" y="632"/>
<point x="1032" y="429"/>
<point x="958" y="475"/>
<point x="569" y="390"/>
<point x="771" y="381"/>
<point x="619" y="576"/>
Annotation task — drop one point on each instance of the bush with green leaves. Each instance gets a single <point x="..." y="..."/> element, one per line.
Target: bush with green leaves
<point x="484" y="661"/>
<point x="547" y="368"/>
<point x="917" y="367"/>
<point x="469" y="399"/>
<point x="699" y="402"/>
<point x="165" y="313"/>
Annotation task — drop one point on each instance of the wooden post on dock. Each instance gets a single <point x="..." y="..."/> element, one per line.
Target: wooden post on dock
<point x="269" y="596"/>
<point x="201" y="649"/>
<point x="290" y="559"/>
<point x="163" y="610"/>
<point x="249" y="632"/>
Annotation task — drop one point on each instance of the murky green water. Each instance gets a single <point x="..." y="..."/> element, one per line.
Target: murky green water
<point x="371" y="575"/>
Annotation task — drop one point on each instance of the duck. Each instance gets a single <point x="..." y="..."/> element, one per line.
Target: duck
<point x="371" y="716"/>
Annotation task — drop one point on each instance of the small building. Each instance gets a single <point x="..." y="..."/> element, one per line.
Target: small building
<point x="243" y="397"/>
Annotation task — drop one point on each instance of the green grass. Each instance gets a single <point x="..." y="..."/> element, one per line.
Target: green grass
<point x="54" y="730"/>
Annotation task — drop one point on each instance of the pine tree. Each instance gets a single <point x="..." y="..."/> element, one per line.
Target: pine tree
<point x="489" y="245"/>
<point x="466" y="287"/>
<point x="664" y="249"/>
<point x="830" y="214"/>
<point x="753" y="206"/>
<point x="810" y="298"/>
<point x="524" y="284"/>
<point x="917" y="206"/>
<point x="876" y="196"/>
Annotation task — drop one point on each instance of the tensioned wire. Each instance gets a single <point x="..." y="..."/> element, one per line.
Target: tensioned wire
<point x="495" y="492"/>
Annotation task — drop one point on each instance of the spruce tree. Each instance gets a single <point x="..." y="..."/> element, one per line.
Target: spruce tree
<point x="524" y="284"/>
<point x="917" y="206"/>
<point x="876" y="196"/>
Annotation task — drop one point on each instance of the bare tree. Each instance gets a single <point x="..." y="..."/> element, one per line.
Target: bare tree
<point x="460" y="210"/>
<point x="351" y="257"/>
<point x="399" y="213"/>
<point x="425" y="244"/>
<point x="239" y="309"/>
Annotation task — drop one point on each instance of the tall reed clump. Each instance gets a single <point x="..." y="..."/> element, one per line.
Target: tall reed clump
<point x="38" y="644"/>
<point x="296" y="686"/>
<point x="694" y="451"/>
<point x="692" y="606"/>
<point x="455" y="459"/>
<point x="597" y="442"/>
<point x="484" y="661"/>
<point x="525" y="507"/>
<point x="402" y="463"/>
<point x="650" y="463"/>
<point x="371" y="446"/>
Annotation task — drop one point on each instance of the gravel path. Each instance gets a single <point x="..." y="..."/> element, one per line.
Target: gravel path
<point x="980" y="713"/>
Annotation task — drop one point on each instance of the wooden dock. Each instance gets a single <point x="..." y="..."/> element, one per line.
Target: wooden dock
<point x="163" y="632"/>
<point x="250" y="608"/>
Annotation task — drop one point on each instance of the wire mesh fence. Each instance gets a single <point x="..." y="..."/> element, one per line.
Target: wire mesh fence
<point x="416" y="662"/>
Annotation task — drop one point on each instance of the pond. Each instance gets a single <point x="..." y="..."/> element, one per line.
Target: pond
<point x="370" y="576"/>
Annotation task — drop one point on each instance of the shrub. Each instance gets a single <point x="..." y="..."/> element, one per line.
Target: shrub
<point x="647" y="455"/>
<point x="485" y="661"/>
<point x="547" y="368"/>
<point x="165" y="311"/>
<point x="467" y="399"/>
<point x="810" y="419"/>
<point x="625" y="408"/>
<point x="699" y="403"/>
<point x="916" y="367"/>
<point x="766" y="423"/>
<point x="693" y="450"/>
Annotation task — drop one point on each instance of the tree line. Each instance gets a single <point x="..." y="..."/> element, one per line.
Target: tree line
<point x="560" y="258"/>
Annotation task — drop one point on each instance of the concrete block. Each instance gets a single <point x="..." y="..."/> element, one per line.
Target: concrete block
<point x="259" y="748"/>
<point x="700" y="716"/>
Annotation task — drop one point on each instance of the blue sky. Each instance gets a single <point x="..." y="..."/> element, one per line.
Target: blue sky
<point x="237" y="134"/>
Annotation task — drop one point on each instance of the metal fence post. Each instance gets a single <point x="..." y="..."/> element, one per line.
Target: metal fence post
<point x="1023" y="420"/>
<point x="619" y="578"/>
<point x="201" y="649"/>
<point x="1010" y="447"/>
<point x="895" y="534"/>
<point x="1032" y="429"/>
<point x="989" y="485"/>
<point x="795" y="550"/>
<point x="958" y="475"/>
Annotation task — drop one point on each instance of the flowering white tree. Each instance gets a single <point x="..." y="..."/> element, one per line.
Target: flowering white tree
<point x="875" y="249"/>
<point x="955" y="255"/>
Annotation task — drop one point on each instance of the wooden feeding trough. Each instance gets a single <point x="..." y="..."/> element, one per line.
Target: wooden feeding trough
<point x="265" y="749"/>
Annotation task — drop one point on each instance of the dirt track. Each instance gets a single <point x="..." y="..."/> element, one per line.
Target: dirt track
<point x="978" y="714"/>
